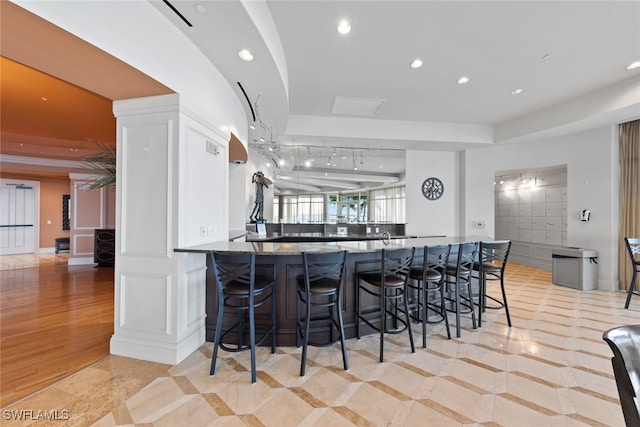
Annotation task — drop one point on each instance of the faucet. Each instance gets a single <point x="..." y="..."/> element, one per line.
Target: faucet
<point x="385" y="237"/>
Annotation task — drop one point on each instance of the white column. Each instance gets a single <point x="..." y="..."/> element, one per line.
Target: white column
<point x="171" y="178"/>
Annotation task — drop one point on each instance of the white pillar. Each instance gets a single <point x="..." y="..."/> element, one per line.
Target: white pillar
<point x="172" y="174"/>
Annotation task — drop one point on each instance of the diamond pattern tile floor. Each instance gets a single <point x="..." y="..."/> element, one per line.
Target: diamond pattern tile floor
<point x="550" y="369"/>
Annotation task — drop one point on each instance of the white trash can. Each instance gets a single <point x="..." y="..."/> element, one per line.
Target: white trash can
<point x="575" y="268"/>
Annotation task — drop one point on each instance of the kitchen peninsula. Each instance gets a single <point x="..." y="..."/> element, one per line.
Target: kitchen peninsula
<point x="284" y="260"/>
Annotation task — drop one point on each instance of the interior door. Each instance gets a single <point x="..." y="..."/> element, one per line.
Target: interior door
<point x="17" y="217"/>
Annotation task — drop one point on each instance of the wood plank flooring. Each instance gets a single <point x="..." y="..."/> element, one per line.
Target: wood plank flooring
<point x="54" y="321"/>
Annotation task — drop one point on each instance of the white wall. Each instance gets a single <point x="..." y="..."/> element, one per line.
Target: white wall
<point x="432" y="217"/>
<point x="592" y="183"/>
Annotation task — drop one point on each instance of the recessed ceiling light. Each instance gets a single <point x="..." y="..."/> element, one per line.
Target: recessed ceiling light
<point x="200" y="8"/>
<point x="417" y="63"/>
<point x="633" y="65"/>
<point x="517" y="91"/>
<point x="463" y="80"/>
<point x="245" y="55"/>
<point x="44" y="99"/>
<point x="252" y="126"/>
<point x="344" y="27"/>
<point x="547" y="56"/>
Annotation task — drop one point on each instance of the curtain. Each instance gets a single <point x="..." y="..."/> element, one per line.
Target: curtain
<point x="388" y="205"/>
<point x="629" y="196"/>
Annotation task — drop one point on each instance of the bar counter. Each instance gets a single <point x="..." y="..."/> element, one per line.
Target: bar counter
<point x="285" y="261"/>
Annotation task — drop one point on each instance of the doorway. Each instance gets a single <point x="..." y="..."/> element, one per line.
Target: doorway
<point x="19" y="216"/>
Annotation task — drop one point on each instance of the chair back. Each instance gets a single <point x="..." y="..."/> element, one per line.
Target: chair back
<point x="435" y="258"/>
<point x="232" y="268"/>
<point x="323" y="266"/>
<point x="494" y="255"/>
<point x="633" y="247"/>
<point x="466" y="259"/>
<point x="625" y="345"/>
<point x="397" y="262"/>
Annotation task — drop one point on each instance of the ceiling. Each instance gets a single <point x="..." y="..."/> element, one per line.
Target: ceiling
<point x="554" y="51"/>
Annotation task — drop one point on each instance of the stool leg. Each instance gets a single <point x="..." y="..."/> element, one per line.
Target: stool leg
<point x="443" y="309"/>
<point x="383" y="314"/>
<point x="216" y="339"/>
<point x="298" y="322"/>
<point x="425" y="299"/>
<point x="343" y="344"/>
<point x="305" y="339"/>
<point x="406" y="312"/>
<point x="252" y="338"/>
<point x="631" y="287"/>
<point x="504" y="298"/>
<point x="473" y="311"/>
<point x="273" y="320"/>
<point x="358" y="308"/>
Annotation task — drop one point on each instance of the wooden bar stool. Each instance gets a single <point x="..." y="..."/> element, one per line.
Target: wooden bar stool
<point x="319" y="288"/>
<point x="240" y="293"/>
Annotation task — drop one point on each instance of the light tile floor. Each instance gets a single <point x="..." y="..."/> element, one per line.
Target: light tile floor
<point x="552" y="368"/>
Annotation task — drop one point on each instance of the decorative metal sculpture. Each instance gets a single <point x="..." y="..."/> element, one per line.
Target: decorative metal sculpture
<point x="260" y="181"/>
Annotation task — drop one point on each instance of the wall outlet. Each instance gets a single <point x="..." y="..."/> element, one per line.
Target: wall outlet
<point x="368" y="230"/>
<point x="377" y="229"/>
<point x="203" y="231"/>
<point x="478" y="224"/>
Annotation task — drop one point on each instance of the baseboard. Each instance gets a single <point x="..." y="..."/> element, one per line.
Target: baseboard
<point x="81" y="261"/>
<point x="47" y="250"/>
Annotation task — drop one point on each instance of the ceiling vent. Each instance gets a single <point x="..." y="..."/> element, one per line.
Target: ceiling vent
<point x="356" y="106"/>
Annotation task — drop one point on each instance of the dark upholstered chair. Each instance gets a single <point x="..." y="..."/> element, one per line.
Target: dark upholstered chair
<point x="389" y="284"/>
<point x="320" y="289"/>
<point x="633" y="247"/>
<point x="429" y="279"/>
<point x="625" y="344"/>
<point x="241" y="292"/>
<point x="493" y="261"/>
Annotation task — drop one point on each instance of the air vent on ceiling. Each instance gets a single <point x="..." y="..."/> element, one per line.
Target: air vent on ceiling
<point x="356" y="106"/>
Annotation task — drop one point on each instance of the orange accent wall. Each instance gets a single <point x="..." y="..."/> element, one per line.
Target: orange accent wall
<point x="51" y="191"/>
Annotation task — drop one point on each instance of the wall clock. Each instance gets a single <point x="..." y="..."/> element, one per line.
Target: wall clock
<point x="432" y="188"/>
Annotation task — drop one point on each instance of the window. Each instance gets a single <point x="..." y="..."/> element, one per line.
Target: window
<point x="349" y="208"/>
<point x="304" y="208"/>
<point x="388" y="205"/>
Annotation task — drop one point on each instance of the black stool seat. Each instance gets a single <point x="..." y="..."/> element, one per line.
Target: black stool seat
<point x="320" y="288"/>
<point x="240" y="292"/>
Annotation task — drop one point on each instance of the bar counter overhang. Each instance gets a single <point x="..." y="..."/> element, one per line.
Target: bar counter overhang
<point x="285" y="259"/>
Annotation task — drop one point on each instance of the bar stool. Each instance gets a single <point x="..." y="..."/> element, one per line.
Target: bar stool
<point x="390" y="285"/>
<point x="493" y="260"/>
<point x="633" y="247"/>
<point x="320" y="287"/>
<point x="458" y="281"/>
<point x="241" y="292"/>
<point x="430" y="280"/>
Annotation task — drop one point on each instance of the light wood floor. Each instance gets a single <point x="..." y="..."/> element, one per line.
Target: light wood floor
<point x="54" y="321"/>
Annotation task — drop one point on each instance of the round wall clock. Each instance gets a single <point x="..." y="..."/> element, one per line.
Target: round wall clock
<point x="432" y="188"/>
